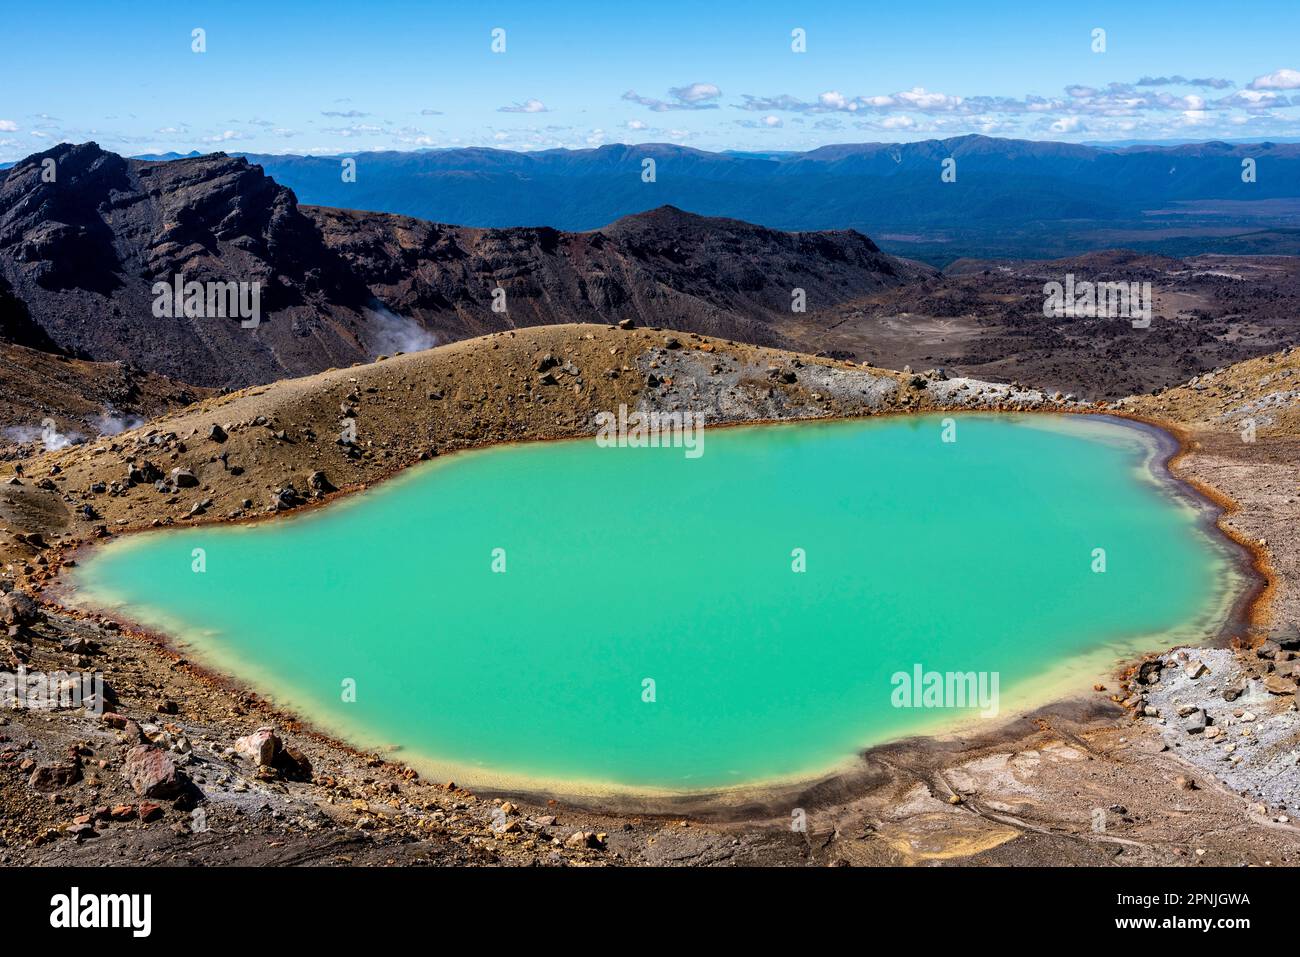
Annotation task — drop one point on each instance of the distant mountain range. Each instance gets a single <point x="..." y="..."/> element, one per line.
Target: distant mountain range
<point x="1011" y="198"/>
<point x="80" y="258"/>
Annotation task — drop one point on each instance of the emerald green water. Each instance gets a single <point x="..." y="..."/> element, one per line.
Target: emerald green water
<point x="628" y="564"/>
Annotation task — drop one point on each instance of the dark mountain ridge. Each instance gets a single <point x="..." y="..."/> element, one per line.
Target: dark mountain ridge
<point x="80" y="257"/>
<point x="663" y="267"/>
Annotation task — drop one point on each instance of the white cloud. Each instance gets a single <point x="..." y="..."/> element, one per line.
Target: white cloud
<point x="693" y="96"/>
<point x="8" y="126"/>
<point x="695" y="92"/>
<point x="357" y="129"/>
<point x="833" y="100"/>
<point x="1194" y="118"/>
<point x="225" y="137"/>
<point x="1282" y="79"/>
<point x="917" y="98"/>
<point x="528" y="106"/>
<point x="1253" y="100"/>
<point x="1144" y="107"/>
<point x="636" y="125"/>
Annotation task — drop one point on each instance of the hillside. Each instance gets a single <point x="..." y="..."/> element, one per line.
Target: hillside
<point x="82" y="254"/>
<point x="51" y="400"/>
<point x="666" y="267"/>
<point x="79" y="258"/>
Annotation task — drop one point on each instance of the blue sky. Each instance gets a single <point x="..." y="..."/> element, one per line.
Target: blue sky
<point x="332" y="77"/>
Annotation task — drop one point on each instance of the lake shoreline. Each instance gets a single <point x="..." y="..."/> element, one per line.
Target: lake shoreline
<point x="763" y="797"/>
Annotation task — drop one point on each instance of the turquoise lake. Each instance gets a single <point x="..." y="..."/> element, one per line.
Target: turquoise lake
<point x="650" y="631"/>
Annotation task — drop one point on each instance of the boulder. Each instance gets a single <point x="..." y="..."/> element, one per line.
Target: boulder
<point x="261" y="746"/>
<point x="97" y="702"/>
<point x="585" y="839"/>
<point x="1276" y="684"/>
<point x="53" y="777"/>
<point x="184" y="478"/>
<point x="1149" y="672"/>
<point x="18" y="608"/>
<point x="144" y="473"/>
<point x="285" y="498"/>
<point x="317" y="482"/>
<point x="152" y="773"/>
<point x="82" y="830"/>
<point x="1288" y="637"/>
<point x="79" y="645"/>
<point x="1287" y="669"/>
<point x="293" y="764"/>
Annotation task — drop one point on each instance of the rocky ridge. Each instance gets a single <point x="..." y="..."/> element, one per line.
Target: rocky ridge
<point x="80" y="255"/>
